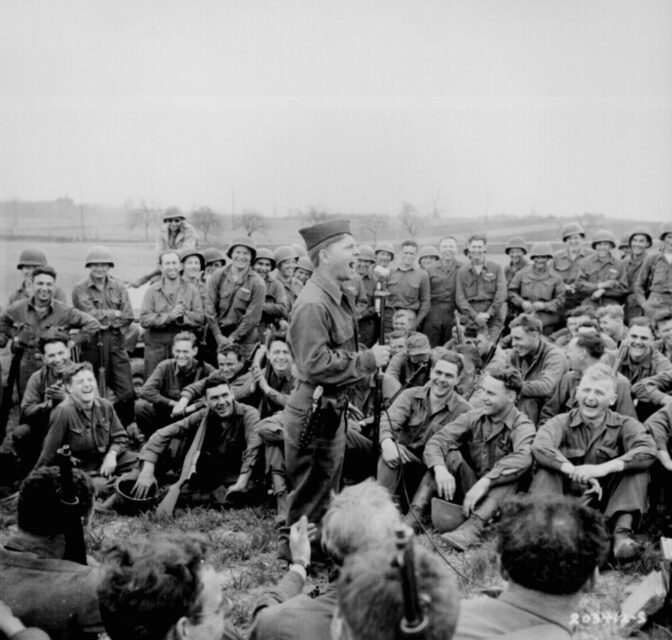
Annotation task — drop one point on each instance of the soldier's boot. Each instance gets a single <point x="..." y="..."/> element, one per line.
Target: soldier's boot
<point x="626" y="548"/>
<point x="466" y="535"/>
<point x="282" y="505"/>
<point x="421" y="499"/>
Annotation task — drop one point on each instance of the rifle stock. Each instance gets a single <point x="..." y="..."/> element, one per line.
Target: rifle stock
<point x="75" y="547"/>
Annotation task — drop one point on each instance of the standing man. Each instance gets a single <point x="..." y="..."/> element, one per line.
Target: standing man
<point x="285" y="259"/>
<point x="384" y="253"/>
<point x="566" y="262"/>
<point x="275" y="310"/>
<point x="442" y="282"/>
<point x="322" y="336"/>
<point x="28" y="260"/>
<point x="653" y="288"/>
<point x="170" y="305"/>
<point x="408" y="286"/>
<point x="481" y="288"/>
<point x="368" y="323"/>
<point x="516" y="249"/>
<point x="29" y="319"/>
<point x="234" y="300"/>
<point x="105" y="298"/>
<point x="639" y="241"/>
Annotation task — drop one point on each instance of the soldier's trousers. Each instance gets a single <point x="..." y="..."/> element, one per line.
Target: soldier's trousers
<point x="158" y="347"/>
<point x="438" y="324"/>
<point x="272" y="435"/>
<point x="413" y="472"/>
<point x="621" y="492"/>
<point x="314" y="471"/>
<point x="466" y="478"/>
<point x="151" y="417"/>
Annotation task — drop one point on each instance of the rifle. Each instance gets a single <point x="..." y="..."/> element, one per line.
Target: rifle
<point x="313" y="421"/>
<point x="102" y="384"/>
<point x="415" y="620"/>
<point x="486" y="363"/>
<point x="621" y="354"/>
<point x="75" y="547"/>
<point x="459" y="332"/>
<point x="379" y="297"/>
<point x="8" y="389"/>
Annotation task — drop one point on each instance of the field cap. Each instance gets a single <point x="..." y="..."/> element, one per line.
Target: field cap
<point x="322" y="231"/>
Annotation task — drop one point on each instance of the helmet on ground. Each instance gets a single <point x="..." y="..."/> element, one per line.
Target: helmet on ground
<point x="639" y="231"/>
<point x="572" y="229"/>
<point x="541" y="250"/>
<point x="31" y="258"/>
<point x="515" y="243"/>
<point x="285" y="252"/>
<point x="604" y="235"/>
<point x="99" y="254"/>
<point x="246" y="242"/>
<point x="187" y="253"/>
<point x="428" y="251"/>
<point x="264" y="253"/>
<point x="128" y="503"/>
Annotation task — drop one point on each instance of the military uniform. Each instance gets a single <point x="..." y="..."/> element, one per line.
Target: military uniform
<point x="234" y="307"/>
<point x="153" y="407"/>
<point x="593" y="270"/>
<point x="660" y="427"/>
<point x="541" y="371"/>
<point x="482" y="292"/>
<point x="160" y="328"/>
<point x="409" y="289"/>
<point x="530" y="285"/>
<point x="653" y="287"/>
<point x="566" y="438"/>
<point x="442" y="285"/>
<point x="24" y="321"/>
<point x="631" y="267"/>
<point x="563" y="398"/>
<point x="568" y="268"/>
<point x="474" y="446"/>
<point x="101" y="302"/>
<point x="275" y="306"/>
<point x="411" y="421"/>
<point x="511" y="270"/>
<point x="23" y="293"/>
<point x="368" y="319"/>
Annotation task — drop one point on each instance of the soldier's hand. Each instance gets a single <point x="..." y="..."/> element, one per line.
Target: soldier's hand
<point x="146" y="480"/>
<point x="593" y="488"/>
<point x="109" y="464"/>
<point x="597" y="294"/>
<point x="538" y="305"/>
<point x="482" y="317"/>
<point x="445" y="482"/>
<point x="179" y="408"/>
<point x="390" y="453"/>
<point x="381" y="352"/>
<point x="55" y="392"/>
<point x="299" y="541"/>
<point x="474" y="495"/>
<point x="527" y="305"/>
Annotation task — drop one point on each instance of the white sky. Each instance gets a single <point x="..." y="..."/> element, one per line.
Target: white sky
<point x="561" y="106"/>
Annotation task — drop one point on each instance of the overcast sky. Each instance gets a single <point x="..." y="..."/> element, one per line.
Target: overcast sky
<point x="556" y="106"/>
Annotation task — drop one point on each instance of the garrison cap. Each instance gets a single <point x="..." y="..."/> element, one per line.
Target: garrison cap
<point x="322" y="231"/>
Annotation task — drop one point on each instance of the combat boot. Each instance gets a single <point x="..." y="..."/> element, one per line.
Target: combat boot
<point x="625" y="547"/>
<point x="466" y="535"/>
<point x="421" y="499"/>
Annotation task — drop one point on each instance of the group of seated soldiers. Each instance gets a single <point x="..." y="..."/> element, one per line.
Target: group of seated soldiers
<point x="548" y="377"/>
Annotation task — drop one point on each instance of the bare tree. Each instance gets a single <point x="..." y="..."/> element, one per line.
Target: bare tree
<point x="252" y="221"/>
<point x="206" y="221"/>
<point x="411" y="220"/>
<point x="373" y="224"/>
<point x="142" y="216"/>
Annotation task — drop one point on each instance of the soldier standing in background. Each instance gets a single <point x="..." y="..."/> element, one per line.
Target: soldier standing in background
<point x="28" y="260"/>
<point x="639" y="241"/>
<point x="653" y="288"/>
<point x="567" y="261"/>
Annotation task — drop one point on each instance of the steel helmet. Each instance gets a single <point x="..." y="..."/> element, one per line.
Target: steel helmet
<point x="264" y="253"/>
<point x="31" y="258"/>
<point x="428" y="251"/>
<point x="604" y="235"/>
<point x="640" y="231"/>
<point x="366" y="253"/>
<point x="573" y="229"/>
<point x="515" y="243"/>
<point x="172" y="212"/>
<point x="300" y="249"/>
<point x="305" y="264"/>
<point x="385" y="246"/>
<point x="99" y="254"/>
<point x="284" y="252"/>
<point x="665" y="228"/>
<point x="186" y="253"/>
<point x="624" y="242"/>
<point x="246" y="242"/>
<point x="541" y="249"/>
<point x="213" y="255"/>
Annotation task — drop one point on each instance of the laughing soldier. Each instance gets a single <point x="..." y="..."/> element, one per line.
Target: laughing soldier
<point x="322" y="336"/>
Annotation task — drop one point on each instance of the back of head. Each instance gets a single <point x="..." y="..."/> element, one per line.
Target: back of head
<point x="551" y="545"/>
<point x="40" y="510"/>
<point x="360" y="516"/>
<point x="149" y="584"/>
<point x="371" y="601"/>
